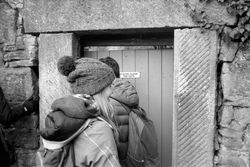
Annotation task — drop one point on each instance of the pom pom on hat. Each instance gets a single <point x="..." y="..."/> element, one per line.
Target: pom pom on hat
<point x="66" y="65"/>
<point x="86" y="75"/>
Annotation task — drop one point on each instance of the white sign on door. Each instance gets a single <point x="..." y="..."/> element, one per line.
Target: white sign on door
<point x="130" y="75"/>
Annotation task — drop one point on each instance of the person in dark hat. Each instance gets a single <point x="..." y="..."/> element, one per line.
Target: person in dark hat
<point x="94" y="143"/>
<point x="9" y="115"/>
<point x="123" y="93"/>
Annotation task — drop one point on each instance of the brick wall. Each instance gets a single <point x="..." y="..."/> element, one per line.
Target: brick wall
<point x="18" y="76"/>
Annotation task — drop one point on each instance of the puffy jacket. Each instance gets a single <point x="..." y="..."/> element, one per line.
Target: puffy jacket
<point x="123" y="92"/>
<point x="93" y="147"/>
<point x="68" y="115"/>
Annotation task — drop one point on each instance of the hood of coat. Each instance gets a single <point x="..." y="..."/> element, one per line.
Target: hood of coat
<point x="125" y="92"/>
<point x="76" y="106"/>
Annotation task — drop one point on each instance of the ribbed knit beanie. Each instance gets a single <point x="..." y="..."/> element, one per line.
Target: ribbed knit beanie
<point x="86" y="75"/>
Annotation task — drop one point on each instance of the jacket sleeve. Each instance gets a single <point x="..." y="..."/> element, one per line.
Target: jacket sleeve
<point x="96" y="147"/>
<point x="8" y="115"/>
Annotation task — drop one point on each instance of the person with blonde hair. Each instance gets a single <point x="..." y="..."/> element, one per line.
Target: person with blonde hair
<point x="85" y="118"/>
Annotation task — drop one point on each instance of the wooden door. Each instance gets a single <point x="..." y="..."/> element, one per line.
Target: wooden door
<point x="154" y="86"/>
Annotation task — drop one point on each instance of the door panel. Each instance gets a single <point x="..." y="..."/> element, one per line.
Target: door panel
<point x="167" y="102"/>
<point x="154" y="86"/>
<point x="155" y="91"/>
<point x="142" y="82"/>
<point x="117" y="55"/>
<point x="128" y="63"/>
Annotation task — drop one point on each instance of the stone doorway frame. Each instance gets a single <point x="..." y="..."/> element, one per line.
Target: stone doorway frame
<point x="187" y="43"/>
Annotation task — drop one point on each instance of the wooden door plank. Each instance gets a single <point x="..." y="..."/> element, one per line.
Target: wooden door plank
<point x="142" y="82"/>
<point x="102" y="54"/>
<point x="117" y="55"/>
<point x="128" y="62"/>
<point x="155" y="89"/>
<point x="167" y="106"/>
<point x="90" y="54"/>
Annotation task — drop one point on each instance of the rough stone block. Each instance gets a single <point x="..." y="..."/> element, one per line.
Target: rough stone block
<point x="26" y="158"/>
<point x="195" y="84"/>
<point x="28" y="122"/>
<point x="15" y="3"/>
<point x="7" y="24"/>
<point x="53" y="84"/>
<point x="231" y="133"/>
<point x="232" y="143"/>
<point x="17" y="55"/>
<point x="9" y="48"/>
<point x="242" y="115"/>
<point x="230" y="161"/>
<point x="235" y="125"/>
<point x="235" y="79"/>
<point x="22" y="63"/>
<point x="226" y="116"/>
<point x="228" y="51"/>
<point x="1" y="59"/>
<point x="17" y="84"/>
<point x="246" y="139"/>
<point x="23" y="138"/>
<point x="67" y="15"/>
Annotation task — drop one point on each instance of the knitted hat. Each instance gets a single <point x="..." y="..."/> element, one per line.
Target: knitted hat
<point x="86" y="75"/>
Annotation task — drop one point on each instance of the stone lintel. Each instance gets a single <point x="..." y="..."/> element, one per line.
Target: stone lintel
<point x="78" y="15"/>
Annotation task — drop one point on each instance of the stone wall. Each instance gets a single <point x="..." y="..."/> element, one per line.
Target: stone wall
<point x="18" y="78"/>
<point x="19" y="51"/>
<point x="233" y="147"/>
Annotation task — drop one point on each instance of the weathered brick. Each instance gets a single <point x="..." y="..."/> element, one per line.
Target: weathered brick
<point x="17" y="84"/>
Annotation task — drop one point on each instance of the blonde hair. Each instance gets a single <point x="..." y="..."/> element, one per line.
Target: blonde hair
<point x="106" y="109"/>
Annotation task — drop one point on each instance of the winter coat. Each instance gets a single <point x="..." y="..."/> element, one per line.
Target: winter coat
<point x="123" y="92"/>
<point x="95" y="146"/>
<point x="7" y="116"/>
<point x="67" y="116"/>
